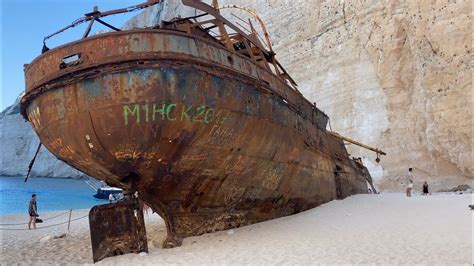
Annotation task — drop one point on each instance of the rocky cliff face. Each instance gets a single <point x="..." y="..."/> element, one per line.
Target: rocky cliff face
<point x="391" y="74"/>
<point x="18" y="146"/>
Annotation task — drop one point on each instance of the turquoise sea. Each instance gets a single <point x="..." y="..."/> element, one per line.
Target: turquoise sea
<point x="52" y="194"/>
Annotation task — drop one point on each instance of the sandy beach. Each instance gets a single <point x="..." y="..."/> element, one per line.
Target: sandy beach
<point x="383" y="229"/>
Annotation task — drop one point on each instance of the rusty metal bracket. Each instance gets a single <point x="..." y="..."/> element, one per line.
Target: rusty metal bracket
<point x="257" y="17"/>
<point x="117" y="229"/>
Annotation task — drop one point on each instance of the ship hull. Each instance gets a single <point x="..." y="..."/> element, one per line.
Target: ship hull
<point x="207" y="147"/>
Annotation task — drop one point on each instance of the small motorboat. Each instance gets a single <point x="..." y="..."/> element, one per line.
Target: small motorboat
<point x="104" y="192"/>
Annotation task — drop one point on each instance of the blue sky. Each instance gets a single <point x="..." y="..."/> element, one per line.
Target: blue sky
<point x="24" y="23"/>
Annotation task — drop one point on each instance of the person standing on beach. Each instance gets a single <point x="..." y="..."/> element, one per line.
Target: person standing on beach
<point x="425" y="188"/>
<point x="409" y="182"/>
<point x="33" y="211"/>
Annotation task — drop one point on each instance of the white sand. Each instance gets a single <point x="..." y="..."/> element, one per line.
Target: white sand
<point x="387" y="228"/>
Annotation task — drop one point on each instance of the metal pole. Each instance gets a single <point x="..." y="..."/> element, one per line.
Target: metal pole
<point x="69" y="221"/>
<point x="357" y="143"/>
<point x="33" y="161"/>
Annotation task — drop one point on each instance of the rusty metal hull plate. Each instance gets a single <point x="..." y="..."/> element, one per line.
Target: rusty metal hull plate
<point x="117" y="229"/>
<point x="209" y="147"/>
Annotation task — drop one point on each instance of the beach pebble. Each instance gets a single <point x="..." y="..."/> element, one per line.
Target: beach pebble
<point x="142" y="254"/>
<point x="230" y="232"/>
<point x="44" y="239"/>
<point x="60" y="236"/>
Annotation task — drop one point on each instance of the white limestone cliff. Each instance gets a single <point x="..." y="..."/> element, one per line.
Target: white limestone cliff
<point x="392" y="74"/>
<point x="18" y="146"/>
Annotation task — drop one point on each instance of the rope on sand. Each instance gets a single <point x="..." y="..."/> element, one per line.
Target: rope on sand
<point x="42" y="227"/>
<point x="45" y="219"/>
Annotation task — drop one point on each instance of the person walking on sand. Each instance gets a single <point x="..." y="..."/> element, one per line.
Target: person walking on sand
<point x="409" y="182"/>
<point x="425" y="188"/>
<point x="32" y="211"/>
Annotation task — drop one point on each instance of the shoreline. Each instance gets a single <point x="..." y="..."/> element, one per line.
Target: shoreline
<point x="55" y="212"/>
<point x="48" y="212"/>
<point x="16" y="217"/>
<point x="45" y="177"/>
<point x="386" y="228"/>
<point x="54" y="194"/>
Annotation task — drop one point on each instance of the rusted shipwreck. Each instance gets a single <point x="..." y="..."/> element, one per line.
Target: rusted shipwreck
<point x="207" y="127"/>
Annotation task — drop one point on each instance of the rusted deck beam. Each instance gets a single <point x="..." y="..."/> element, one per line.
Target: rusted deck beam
<point x="378" y="151"/>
